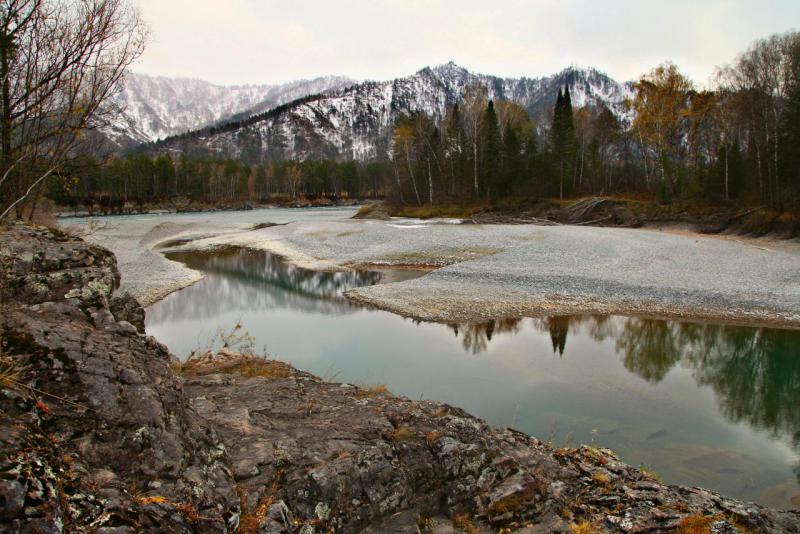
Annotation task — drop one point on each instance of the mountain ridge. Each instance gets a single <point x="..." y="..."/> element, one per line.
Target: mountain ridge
<point x="355" y="121"/>
<point x="155" y="107"/>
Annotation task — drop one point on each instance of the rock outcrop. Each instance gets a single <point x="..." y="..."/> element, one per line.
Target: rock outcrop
<point x="98" y="434"/>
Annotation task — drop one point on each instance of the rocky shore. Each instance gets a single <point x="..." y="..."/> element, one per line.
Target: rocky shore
<point x="100" y="431"/>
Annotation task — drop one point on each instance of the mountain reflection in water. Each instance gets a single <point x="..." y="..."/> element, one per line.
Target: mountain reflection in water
<point x="700" y="404"/>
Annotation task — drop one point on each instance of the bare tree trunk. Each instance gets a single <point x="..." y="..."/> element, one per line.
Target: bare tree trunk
<point x="411" y="176"/>
<point x="760" y="173"/>
<point x="397" y="177"/>
<point x="475" y="166"/>
<point x="727" y="196"/>
<point x="430" y="183"/>
<point x="644" y="157"/>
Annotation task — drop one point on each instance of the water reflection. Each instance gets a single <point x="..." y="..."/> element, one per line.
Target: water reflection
<point x="262" y="268"/>
<point x="704" y="404"/>
<point x="755" y="372"/>
<point x="248" y="280"/>
<point x="475" y="337"/>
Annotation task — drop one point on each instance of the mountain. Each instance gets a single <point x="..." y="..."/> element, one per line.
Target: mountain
<point x="356" y="122"/>
<point x="155" y="107"/>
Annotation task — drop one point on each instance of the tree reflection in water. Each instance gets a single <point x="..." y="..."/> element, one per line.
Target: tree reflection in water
<point x="755" y="372"/>
<point x="476" y="336"/>
<point x="262" y="266"/>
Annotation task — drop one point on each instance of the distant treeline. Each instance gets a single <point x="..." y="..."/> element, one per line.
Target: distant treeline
<point x="136" y="180"/>
<point x="738" y="142"/>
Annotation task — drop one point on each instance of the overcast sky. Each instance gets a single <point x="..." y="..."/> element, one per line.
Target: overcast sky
<point x="266" y="41"/>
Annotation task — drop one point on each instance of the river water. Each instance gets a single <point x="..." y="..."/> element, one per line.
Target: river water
<point x="700" y="404"/>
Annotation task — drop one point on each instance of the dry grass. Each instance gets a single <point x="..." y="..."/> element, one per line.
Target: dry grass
<point x="510" y="503"/>
<point x="10" y="373"/>
<point x="695" y="524"/>
<point x="251" y="520"/>
<point x="595" y="455"/>
<point x="433" y="436"/>
<point x="233" y="363"/>
<point x="585" y="527"/>
<point x="187" y="510"/>
<point x="464" y="524"/>
<point x="371" y="391"/>
<point x="441" y="411"/>
<point x="403" y="433"/>
<point x="649" y="473"/>
<point x="601" y="479"/>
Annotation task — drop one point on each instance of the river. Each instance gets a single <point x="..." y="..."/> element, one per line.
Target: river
<point x="700" y="404"/>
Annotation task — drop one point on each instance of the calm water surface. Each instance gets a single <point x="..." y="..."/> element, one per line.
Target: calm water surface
<point x="699" y="404"/>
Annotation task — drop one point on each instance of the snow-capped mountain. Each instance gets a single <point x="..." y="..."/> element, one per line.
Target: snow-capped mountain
<point x="155" y="107"/>
<point x="356" y="122"/>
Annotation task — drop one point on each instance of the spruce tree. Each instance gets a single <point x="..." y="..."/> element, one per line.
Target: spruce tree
<point x="512" y="164"/>
<point x="563" y="138"/>
<point x="491" y="150"/>
<point x="455" y="150"/>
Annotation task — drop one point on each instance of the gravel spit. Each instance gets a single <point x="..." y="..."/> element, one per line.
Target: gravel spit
<point x="487" y="271"/>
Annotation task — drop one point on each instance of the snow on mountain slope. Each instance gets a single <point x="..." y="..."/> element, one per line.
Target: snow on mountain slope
<point x="155" y="107"/>
<point x="356" y="122"/>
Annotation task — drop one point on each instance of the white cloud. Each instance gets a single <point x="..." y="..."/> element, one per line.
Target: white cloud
<point x="263" y="41"/>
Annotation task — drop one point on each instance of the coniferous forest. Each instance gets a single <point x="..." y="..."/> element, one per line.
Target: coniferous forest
<point x="735" y="142"/>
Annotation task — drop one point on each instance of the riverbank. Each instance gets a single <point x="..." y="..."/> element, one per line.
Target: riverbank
<point x="100" y="434"/>
<point x="488" y="271"/>
<point x="616" y="212"/>
<point x="100" y="209"/>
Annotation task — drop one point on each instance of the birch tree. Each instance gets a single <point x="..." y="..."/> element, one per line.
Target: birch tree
<point x="60" y="62"/>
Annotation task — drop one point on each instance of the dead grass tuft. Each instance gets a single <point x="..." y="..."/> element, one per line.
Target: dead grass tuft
<point x="403" y="433"/>
<point x="228" y="362"/>
<point x="251" y="520"/>
<point x="371" y="391"/>
<point x="441" y="411"/>
<point x="433" y="436"/>
<point x="509" y="503"/>
<point x="585" y="527"/>
<point x="695" y="524"/>
<point x="649" y="473"/>
<point x="10" y="371"/>
<point x="464" y="523"/>
<point x="187" y="510"/>
<point x="601" y="479"/>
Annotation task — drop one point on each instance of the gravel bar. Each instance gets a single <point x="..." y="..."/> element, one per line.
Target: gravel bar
<point x="488" y="271"/>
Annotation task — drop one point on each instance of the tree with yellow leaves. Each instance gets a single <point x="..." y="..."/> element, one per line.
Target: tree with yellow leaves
<point x="661" y="106"/>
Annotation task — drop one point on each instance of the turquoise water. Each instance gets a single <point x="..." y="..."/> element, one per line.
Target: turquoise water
<point x="700" y="404"/>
